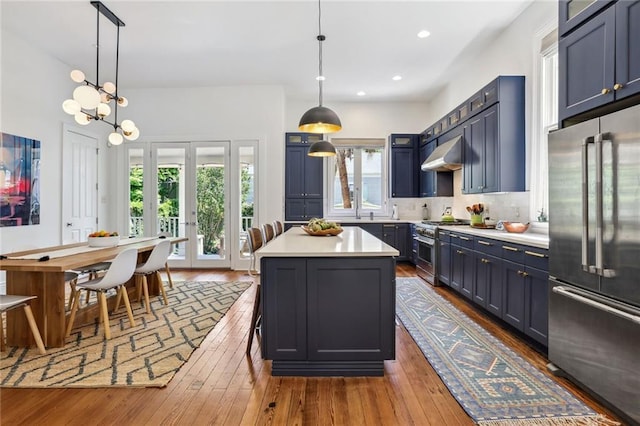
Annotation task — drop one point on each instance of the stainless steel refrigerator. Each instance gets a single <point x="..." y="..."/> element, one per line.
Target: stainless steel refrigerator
<point x="594" y="256"/>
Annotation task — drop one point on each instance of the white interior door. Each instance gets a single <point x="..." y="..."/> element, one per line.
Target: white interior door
<point x="79" y="185"/>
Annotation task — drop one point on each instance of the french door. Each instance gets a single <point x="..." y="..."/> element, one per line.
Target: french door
<point x="199" y="190"/>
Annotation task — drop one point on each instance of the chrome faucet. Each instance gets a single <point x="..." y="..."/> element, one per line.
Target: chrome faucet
<point x="355" y="200"/>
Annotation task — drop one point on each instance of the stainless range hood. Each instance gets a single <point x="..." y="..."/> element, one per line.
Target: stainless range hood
<point x="446" y="157"/>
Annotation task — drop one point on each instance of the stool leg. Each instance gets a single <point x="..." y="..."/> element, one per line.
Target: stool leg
<point x="254" y="318"/>
<point x="34" y="329"/>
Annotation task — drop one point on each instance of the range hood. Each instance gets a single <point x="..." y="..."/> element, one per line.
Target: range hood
<point x="446" y="157"/>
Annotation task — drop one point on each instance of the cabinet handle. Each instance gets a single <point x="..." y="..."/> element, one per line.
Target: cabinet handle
<point x="465" y="238"/>
<point x="618" y="86"/>
<point x="532" y="253"/>
<point x="454" y="236"/>
<point x="523" y="274"/>
<point x="459" y="252"/>
<point x="605" y="91"/>
<point x="510" y="248"/>
<point x="484" y="243"/>
<point x="485" y="261"/>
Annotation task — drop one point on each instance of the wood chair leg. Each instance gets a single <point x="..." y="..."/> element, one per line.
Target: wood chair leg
<point x="161" y="285"/>
<point x="145" y="289"/>
<point x="72" y="316"/>
<point x="254" y="318"/>
<point x="118" y="300"/>
<point x="102" y="297"/>
<point x="72" y="284"/>
<point x="1" y="332"/>
<point x="125" y="296"/>
<point x="34" y="329"/>
<point x="138" y="281"/>
<point x="166" y="269"/>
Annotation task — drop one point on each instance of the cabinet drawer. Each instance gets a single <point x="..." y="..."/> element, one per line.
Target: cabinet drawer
<point x="487" y="246"/>
<point x="536" y="258"/>
<point x="444" y="235"/>
<point x="512" y="252"/>
<point x="462" y="240"/>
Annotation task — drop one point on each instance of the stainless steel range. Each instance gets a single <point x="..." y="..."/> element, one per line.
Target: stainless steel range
<point x="426" y="242"/>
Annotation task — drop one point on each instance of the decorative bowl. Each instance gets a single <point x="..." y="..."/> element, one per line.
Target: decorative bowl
<point x="103" y="241"/>
<point x="515" y="227"/>
<point x="323" y="233"/>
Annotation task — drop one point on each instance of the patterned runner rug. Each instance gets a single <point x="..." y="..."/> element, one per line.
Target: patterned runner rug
<point x="147" y="355"/>
<point x="492" y="383"/>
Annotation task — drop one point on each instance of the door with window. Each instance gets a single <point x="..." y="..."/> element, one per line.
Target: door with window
<point x="199" y="190"/>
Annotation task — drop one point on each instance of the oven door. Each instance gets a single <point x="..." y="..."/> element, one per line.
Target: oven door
<point x="426" y="258"/>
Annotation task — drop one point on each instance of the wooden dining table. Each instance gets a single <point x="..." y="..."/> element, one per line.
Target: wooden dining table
<point x="40" y="272"/>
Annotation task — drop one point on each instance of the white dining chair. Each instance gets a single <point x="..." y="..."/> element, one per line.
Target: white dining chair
<point x="118" y="274"/>
<point x="166" y="264"/>
<point x="154" y="264"/>
<point x="8" y="302"/>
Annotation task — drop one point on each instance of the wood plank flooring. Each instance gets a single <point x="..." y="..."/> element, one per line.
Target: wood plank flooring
<point x="220" y="385"/>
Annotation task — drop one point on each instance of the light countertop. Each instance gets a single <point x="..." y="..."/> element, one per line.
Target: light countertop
<point x="528" y="238"/>
<point x="352" y="242"/>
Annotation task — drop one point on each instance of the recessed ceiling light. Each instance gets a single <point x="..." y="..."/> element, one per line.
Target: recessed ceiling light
<point x="320" y="78"/>
<point x="424" y="34"/>
<point x="396" y="78"/>
<point x="361" y="93"/>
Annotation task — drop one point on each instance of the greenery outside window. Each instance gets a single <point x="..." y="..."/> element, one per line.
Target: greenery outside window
<point x="356" y="178"/>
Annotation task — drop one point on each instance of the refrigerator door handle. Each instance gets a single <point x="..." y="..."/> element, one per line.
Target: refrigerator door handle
<point x="600" y="270"/>
<point x="564" y="291"/>
<point x="585" y="205"/>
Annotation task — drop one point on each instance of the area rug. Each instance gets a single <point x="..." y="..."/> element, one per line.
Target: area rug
<point x="492" y="384"/>
<point x="147" y="355"/>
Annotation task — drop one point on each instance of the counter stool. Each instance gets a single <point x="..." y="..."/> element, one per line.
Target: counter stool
<point x="267" y="233"/>
<point x="8" y="302"/>
<point x="277" y="227"/>
<point x="254" y="238"/>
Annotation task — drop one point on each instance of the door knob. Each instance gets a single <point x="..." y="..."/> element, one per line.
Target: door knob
<point x="605" y="91"/>
<point x="69" y="224"/>
<point x="617" y="86"/>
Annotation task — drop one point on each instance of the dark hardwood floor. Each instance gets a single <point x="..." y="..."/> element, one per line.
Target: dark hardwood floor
<point x="221" y="385"/>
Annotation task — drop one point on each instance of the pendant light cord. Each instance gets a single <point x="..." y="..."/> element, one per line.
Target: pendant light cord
<point x="321" y="38"/>
<point x="115" y="125"/>
<point x="97" y="47"/>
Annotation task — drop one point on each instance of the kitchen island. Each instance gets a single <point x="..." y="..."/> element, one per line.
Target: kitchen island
<point x="328" y="303"/>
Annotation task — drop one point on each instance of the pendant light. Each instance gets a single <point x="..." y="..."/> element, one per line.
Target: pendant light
<point x="320" y="119"/>
<point x="91" y="100"/>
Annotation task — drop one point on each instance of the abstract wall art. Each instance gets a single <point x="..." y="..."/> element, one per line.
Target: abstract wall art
<point x="19" y="181"/>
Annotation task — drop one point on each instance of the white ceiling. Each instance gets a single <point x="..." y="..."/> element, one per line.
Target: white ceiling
<point x="219" y="43"/>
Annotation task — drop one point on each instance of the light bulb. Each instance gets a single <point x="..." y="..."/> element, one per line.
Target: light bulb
<point x="71" y="106"/>
<point x="109" y="87"/>
<point x="133" y="135"/>
<point x="103" y="110"/>
<point x="105" y="98"/>
<point x="88" y="97"/>
<point x="122" y="101"/>
<point x="82" y="118"/>
<point x="77" y="76"/>
<point x="115" y="138"/>
<point x="128" y="125"/>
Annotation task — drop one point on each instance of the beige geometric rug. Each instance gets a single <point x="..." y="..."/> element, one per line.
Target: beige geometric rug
<point x="147" y="355"/>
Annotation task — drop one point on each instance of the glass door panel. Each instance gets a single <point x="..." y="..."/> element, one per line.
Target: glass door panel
<point x="244" y="156"/>
<point x="136" y="192"/>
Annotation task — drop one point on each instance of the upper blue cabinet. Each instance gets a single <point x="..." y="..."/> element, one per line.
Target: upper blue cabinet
<point x="599" y="56"/>
<point x="404" y="181"/>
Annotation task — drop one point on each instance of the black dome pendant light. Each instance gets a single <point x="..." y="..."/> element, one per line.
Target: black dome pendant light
<point x="320" y="119"/>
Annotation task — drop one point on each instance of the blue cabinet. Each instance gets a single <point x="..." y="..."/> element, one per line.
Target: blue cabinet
<point x="572" y="13"/>
<point x="599" y="61"/>
<point x="303" y="178"/>
<point x="404" y="180"/>
<point x="443" y="268"/>
<point x="494" y="148"/>
<point x="397" y="236"/>
<point x="462" y="260"/>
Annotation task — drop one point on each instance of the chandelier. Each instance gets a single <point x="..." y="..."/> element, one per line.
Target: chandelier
<point x="92" y="101"/>
<point x="320" y="119"/>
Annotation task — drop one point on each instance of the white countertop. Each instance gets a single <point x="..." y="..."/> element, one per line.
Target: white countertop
<point x="527" y="238"/>
<point x="352" y="242"/>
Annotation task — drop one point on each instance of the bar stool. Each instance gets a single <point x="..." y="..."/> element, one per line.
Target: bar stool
<point x="277" y="227"/>
<point x="8" y="302"/>
<point x="267" y="232"/>
<point x="254" y="237"/>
